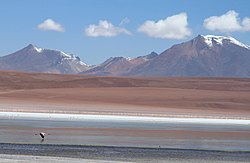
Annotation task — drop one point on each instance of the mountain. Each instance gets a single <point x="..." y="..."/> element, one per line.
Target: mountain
<point x="118" y="66"/>
<point x="34" y="59"/>
<point x="202" y="56"/>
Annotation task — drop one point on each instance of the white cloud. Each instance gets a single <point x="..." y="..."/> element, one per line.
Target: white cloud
<point x="173" y="27"/>
<point x="229" y="22"/>
<point x="51" y="25"/>
<point x="105" y="29"/>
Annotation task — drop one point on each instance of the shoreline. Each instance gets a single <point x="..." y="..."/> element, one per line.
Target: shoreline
<point x="117" y="110"/>
<point x="125" y="114"/>
<point x="121" y="117"/>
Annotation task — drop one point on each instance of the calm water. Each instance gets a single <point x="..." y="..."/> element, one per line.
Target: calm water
<point x="81" y="133"/>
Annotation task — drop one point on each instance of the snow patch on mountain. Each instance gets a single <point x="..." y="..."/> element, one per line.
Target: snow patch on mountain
<point x="39" y="50"/>
<point x="220" y="40"/>
<point x="64" y="55"/>
<point x="128" y="58"/>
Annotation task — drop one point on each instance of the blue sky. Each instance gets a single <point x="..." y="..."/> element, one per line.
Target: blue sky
<point x="98" y="29"/>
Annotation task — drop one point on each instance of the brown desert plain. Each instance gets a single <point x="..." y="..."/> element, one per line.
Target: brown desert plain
<point x="170" y="97"/>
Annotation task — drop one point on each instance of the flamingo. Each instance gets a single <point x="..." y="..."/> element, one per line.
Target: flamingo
<point x="42" y="134"/>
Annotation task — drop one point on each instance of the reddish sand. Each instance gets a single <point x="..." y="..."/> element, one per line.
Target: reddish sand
<point x="221" y="97"/>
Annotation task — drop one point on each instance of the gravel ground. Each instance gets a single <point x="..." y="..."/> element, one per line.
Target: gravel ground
<point x="72" y="153"/>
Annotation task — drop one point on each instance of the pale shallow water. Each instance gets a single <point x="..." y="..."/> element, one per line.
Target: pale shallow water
<point x="101" y="130"/>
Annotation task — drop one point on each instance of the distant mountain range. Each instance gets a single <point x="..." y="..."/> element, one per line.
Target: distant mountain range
<point x="119" y="66"/>
<point x="202" y="56"/>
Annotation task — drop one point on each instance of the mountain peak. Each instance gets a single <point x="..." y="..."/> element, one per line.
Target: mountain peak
<point x="149" y="56"/>
<point x="152" y="55"/>
<point x="210" y="40"/>
<point x="30" y="46"/>
<point x="33" y="47"/>
<point x="34" y="59"/>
